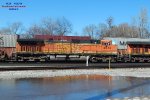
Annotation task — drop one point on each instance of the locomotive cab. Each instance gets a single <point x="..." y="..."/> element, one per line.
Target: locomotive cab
<point x="107" y="47"/>
<point x="106" y="42"/>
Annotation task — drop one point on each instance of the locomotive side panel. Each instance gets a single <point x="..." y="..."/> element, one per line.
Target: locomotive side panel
<point x="48" y="48"/>
<point x="139" y="51"/>
<point x="90" y="48"/>
<point x="75" y="48"/>
<point x="62" y="48"/>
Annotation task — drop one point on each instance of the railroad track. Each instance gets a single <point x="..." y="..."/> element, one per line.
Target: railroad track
<point x="60" y="65"/>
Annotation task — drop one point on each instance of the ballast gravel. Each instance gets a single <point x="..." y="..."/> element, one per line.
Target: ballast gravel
<point x="133" y="72"/>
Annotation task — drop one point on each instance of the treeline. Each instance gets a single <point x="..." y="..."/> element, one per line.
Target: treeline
<point x="60" y="26"/>
<point x="137" y="28"/>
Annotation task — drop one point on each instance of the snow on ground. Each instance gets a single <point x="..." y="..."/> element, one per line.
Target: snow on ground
<point x="134" y="72"/>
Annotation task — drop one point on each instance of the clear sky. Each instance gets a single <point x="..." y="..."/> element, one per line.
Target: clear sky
<point x="79" y="12"/>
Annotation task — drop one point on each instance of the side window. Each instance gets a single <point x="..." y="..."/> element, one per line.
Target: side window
<point x="108" y="44"/>
<point x="105" y="43"/>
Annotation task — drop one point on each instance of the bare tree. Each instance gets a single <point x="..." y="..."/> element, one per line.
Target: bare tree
<point x="5" y="31"/>
<point x="110" y="22"/>
<point x="63" y="26"/>
<point x="49" y="25"/>
<point x="33" y="30"/>
<point x="134" y="28"/>
<point x="143" y="23"/>
<point x="90" y="30"/>
<point x="14" y="28"/>
<point x="102" y="30"/>
<point x="123" y="30"/>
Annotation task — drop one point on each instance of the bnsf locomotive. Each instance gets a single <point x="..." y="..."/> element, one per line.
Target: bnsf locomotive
<point x="44" y="47"/>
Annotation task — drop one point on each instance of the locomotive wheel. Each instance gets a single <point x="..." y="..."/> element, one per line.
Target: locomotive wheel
<point x="93" y="60"/>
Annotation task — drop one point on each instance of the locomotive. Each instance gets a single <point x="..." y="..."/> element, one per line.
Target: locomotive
<point x="44" y="47"/>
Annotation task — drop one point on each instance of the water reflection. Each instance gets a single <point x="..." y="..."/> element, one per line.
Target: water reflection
<point x="90" y="87"/>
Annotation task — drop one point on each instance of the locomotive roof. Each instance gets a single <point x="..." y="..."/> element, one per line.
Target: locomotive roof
<point x="75" y="41"/>
<point x="139" y="42"/>
<point x="121" y="42"/>
<point x="59" y="37"/>
<point x="30" y="41"/>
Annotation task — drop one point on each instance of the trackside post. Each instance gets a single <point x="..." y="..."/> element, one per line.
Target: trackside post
<point x="87" y="60"/>
<point x="109" y="62"/>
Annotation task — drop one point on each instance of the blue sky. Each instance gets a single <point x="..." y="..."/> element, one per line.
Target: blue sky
<point x="79" y="12"/>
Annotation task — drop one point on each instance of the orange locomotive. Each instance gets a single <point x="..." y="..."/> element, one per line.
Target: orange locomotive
<point x="35" y="49"/>
<point x="138" y="51"/>
<point x="119" y="49"/>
